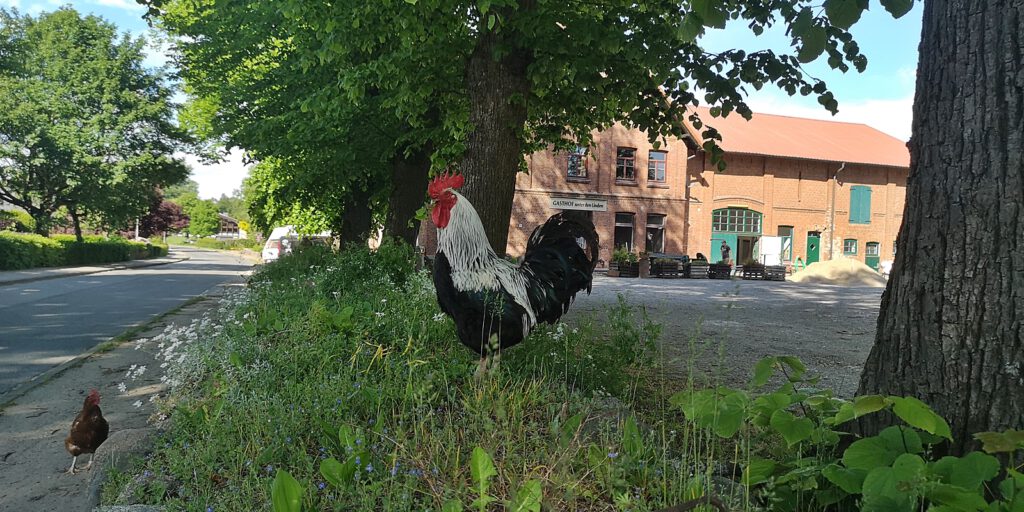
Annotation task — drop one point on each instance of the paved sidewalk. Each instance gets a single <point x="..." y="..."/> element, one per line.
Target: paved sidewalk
<point x="33" y="460"/>
<point x="37" y="274"/>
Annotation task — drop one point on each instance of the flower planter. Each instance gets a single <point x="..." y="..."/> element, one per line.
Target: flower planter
<point x="719" y="271"/>
<point x="696" y="270"/>
<point x="624" y="269"/>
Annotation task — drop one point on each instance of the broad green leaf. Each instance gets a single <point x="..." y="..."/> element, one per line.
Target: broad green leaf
<point x="868" y="404"/>
<point x="849" y="480"/>
<point x="917" y="414"/>
<point x="482" y="468"/>
<point x="286" y="493"/>
<point x="763" y="371"/>
<point x="795" y="364"/>
<point x="997" y="442"/>
<point x="844" y="414"/>
<point x="882" y="494"/>
<point x="868" y="454"/>
<point x="898" y="7"/>
<point x="766" y="405"/>
<point x="901" y="440"/>
<point x="710" y="12"/>
<point x="844" y="13"/>
<point x="969" y="471"/>
<point x="452" y="506"/>
<point x="336" y="473"/>
<point x="792" y="428"/>
<point x="490" y="22"/>
<point x="632" y="442"/>
<point x="690" y="29"/>
<point x="528" y="498"/>
<point x="955" y="498"/>
<point x="757" y="471"/>
<point x="812" y="44"/>
<point x="731" y="412"/>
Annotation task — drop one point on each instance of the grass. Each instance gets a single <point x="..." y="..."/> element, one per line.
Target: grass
<point x="347" y="357"/>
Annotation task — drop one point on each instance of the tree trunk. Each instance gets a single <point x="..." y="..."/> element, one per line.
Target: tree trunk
<point x="408" y="193"/>
<point x="497" y="95"/>
<point x="77" y="222"/>
<point x="357" y="218"/>
<point x="42" y="224"/>
<point x="951" y="327"/>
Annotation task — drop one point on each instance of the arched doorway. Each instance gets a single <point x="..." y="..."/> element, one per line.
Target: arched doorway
<point x="740" y="228"/>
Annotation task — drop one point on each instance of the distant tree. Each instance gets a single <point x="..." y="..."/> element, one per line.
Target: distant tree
<point x="233" y="205"/>
<point x="202" y="217"/>
<point x="163" y="216"/>
<point x="180" y="189"/>
<point x="83" y="124"/>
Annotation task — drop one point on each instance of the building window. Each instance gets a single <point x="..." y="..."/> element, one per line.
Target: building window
<point x="624" y="231"/>
<point x="786" y="233"/>
<point x="655" y="233"/>
<point x="577" y="167"/>
<point x="736" y="220"/>
<point x="625" y="164"/>
<point x="871" y="249"/>
<point x="656" y="166"/>
<point x="860" y="204"/>
<point x="850" y="247"/>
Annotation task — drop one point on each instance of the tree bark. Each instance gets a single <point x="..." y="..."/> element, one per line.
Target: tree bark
<point x="408" y="192"/>
<point x="77" y="222"/>
<point x="951" y="327"/>
<point x="357" y="218"/>
<point x="497" y="94"/>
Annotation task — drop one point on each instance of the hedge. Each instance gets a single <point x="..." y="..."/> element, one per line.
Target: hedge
<point x="20" y="251"/>
<point x="234" y="243"/>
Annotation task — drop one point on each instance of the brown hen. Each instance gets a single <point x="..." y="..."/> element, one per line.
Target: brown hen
<point x="88" y="431"/>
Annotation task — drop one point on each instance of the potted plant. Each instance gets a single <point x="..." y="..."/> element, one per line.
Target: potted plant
<point x="624" y="263"/>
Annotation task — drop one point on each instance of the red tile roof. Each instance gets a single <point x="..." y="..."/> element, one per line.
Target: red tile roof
<point x="812" y="139"/>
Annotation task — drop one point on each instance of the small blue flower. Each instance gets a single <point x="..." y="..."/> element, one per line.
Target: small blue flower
<point x="147" y="473"/>
<point x="394" y="470"/>
<point x="338" y="401"/>
<point x="288" y="439"/>
<point x="269" y="469"/>
<point x="369" y="468"/>
<point x="371" y="422"/>
<point x="612" y="455"/>
<point x="320" y="485"/>
<point x="359" y="442"/>
<point x="358" y="462"/>
<point x="209" y="509"/>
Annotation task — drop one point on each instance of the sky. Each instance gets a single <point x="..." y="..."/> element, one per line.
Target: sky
<point x="881" y="97"/>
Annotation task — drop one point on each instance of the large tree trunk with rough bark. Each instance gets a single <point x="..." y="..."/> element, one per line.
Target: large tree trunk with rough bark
<point x="76" y="221"/>
<point x="408" y="193"/>
<point x="498" y="86"/>
<point x="357" y="217"/>
<point x="951" y="327"/>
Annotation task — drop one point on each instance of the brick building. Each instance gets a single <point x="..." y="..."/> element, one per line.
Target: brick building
<point x="825" y="188"/>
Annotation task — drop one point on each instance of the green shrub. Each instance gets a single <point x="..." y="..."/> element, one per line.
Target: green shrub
<point x="22" y="251"/>
<point x="230" y="244"/>
<point x="17" y="220"/>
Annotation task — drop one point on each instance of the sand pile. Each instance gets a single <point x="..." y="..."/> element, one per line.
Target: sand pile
<point x="841" y="271"/>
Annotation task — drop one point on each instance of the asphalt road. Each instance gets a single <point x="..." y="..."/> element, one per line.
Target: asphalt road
<point x="45" y="323"/>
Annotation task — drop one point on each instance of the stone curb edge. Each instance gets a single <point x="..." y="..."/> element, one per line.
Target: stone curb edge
<point x="90" y="272"/>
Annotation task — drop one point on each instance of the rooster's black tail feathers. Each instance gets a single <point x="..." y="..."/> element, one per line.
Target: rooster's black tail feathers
<point x="560" y="260"/>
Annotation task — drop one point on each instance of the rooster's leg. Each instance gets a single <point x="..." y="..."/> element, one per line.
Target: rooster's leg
<point x="89" y="465"/>
<point x="71" y="470"/>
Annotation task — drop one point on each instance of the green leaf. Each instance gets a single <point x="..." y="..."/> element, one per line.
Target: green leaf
<point x="452" y="506"/>
<point x="570" y="427"/>
<point x="881" y="492"/>
<point x="849" y="480"/>
<point x="901" y="440"/>
<point x="709" y="12"/>
<point x="632" y="442"/>
<point x="757" y="471"/>
<point x="955" y="497"/>
<point x="336" y="473"/>
<point x="917" y="414"/>
<point x="490" y="22"/>
<point x="898" y="7"/>
<point x="868" y="453"/>
<point x="235" y="360"/>
<point x="690" y="29"/>
<point x="763" y="371"/>
<point x="998" y="442"/>
<point x="286" y="493"/>
<point x="482" y="468"/>
<point x="792" y="428"/>
<point x="528" y="498"/>
<point x="794" y="364"/>
<point x="844" y="13"/>
<point x="969" y="471"/>
<point x="812" y="44"/>
<point x="766" y="405"/>
<point x="844" y="414"/>
<point x="731" y="412"/>
<point x="868" y="404"/>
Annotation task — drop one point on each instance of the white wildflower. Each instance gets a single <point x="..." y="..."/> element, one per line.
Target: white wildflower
<point x="137" y="403"/>
<point x="122" y="388"/>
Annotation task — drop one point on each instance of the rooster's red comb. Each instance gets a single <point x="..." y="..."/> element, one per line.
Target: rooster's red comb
<point x="444" y="182"/>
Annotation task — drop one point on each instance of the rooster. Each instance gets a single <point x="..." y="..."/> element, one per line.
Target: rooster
<point x="88" y="431"/>
<point x="495" y="303"/>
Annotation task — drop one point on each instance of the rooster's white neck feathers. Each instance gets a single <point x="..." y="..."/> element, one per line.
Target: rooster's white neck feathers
<point x="474" y="264"/>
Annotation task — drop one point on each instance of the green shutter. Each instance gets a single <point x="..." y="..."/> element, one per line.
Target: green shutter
<point x="860" y="204"/>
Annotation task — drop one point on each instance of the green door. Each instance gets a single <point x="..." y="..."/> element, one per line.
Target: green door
<point x="871" y="255"/>
<point x="813" y="246"/>
<point x="716" y="246"/>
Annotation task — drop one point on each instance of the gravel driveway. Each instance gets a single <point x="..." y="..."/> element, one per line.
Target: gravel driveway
<point x="725" y="327"/>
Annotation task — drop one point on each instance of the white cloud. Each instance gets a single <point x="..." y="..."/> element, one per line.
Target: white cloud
<point x="892" y="116"/>
<point x="11" y="4"/>
<point x="219" y="178"/>
<point x="128" y="5"/>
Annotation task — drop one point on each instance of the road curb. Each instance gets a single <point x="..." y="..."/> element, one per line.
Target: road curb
<point x="20" y="390"/>
<point x="90" y="272"/>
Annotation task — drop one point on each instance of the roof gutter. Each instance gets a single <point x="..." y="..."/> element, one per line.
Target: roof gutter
<point x="832" y="211"/>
